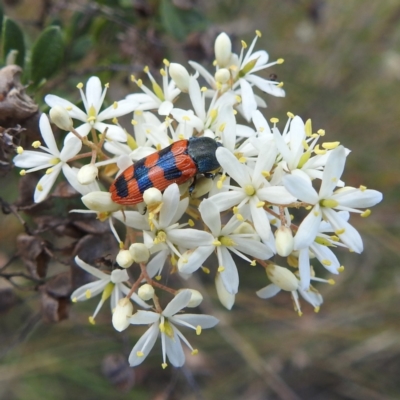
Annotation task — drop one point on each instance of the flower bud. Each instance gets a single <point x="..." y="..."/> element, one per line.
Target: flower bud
<point x="87" y="174"/>
<point x="282" y="278"/>
<point x="139" y="252"/>
<point x="180" y="75"/>
<point x="195" y="299"/>
<point x="284" y="241"/>
<point x="124" y="259"/>
<point x="123" y="311"/>
<point x="223" y="49"/>
<point x="100" y="202"/>
<point x="146" y="292"/>
<point x="152" y="196"/>
<point x="227" y="299"/>
<point x="222" y="75"/>
<point x="60" y="117"/>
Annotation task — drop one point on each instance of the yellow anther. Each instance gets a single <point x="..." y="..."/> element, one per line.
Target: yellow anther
<point x="22" y="172"/>
<point x="363" y="188"/>
<point x="140" y="353"/>
<point x="290" y="115"/>
<point x="334" y="238"/>
<point x="266" y="174"/>
<point x="249" y="190"/>
<point x="146" y="69"/>
<point x="258" y="33"/>
<point x="274" y="221"/>
<point x="326" y="262"/>
<point x="121" y="245"/>
<point x="221" y="268"/>
<point x="139" y="82"/>
<point x="166" y="62"/>
<point x="215" y="63"/>
<point x="92" y="321"/>
<point x="162" y="72"/>
<point x="190" y="222"/>
<point x="205" y="270"/>
<point x="158" y="277"/>
<point x="239" y="217"/>
<point x="341" y="268"/>
<point x="260" y="204"/>
<point x="308" y="208"/>
<point x="186" y="118"/>
<point x="253" y="263"/>
<point x="308" y="127"/>
<point x="20" y="149"/>
<point x="49" y="171"/>
<point x="39" y="187"/>
<point x="366" y="213"/>
<point x="321" y="132"/>
<point x="319" y="151"/>
<point x="238" y="98"/>
<point x="133" y="79"/>
<point x="216" y="243"/>
<point x="329" y="203"/>
<point x="291" y="217"/>
<point x="340" y="231"/>
<point x="316" y="309"/>
<point x="242" y="160"/>
<point x="194" y="352"/>
<point x="330" y="145"/>
<point x="299" y="313"/>
<point x="79" y="85"/>
<point x="305" y="145"/>
<point x="181" y="136"/>
<point x="164" y="365"/>
<point x="274" y="120"/>
<point x="280" y="84"/>
<point x="203" y="89"/>
<point x="293" y="261"/>
<point x="107" y="85"/>
<point x="148" y="131"/>
<point x="316" y="213"/>
<point x="244" y="44"/>
<point x="222" y="127"/>
<point x="115" y="120"/>
<point x="280" y="61"/>
<point x="74" y="300"/>
<point x="331" y="281"/>
<point x="115" y="105"/>
<point x="36" y="144"/>
<point x="139" y="112"/>
<point x="198" y="330"/>
<point x="69" y="108"/>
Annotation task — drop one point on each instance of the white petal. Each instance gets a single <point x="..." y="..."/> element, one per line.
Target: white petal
<point x="229" y="275"/>
<point x="33" y="159"/>
<point x="73" y="110"/>
<point x="232" y="166"/>
<point x="301" y="188"/>
<point x="358" y="198"/>
<point x="123" y="107"/>
<point x="211" y="216"/>
<point x="249" y="103"/>
<point x="308" y="229"/>
<point x="333" y="171"/>
<point x="227" y="299"/>
<point x="93" y="92"/>
<point x="275" y="195"/>
<point x="92" y="270"/>
<point x="226" y="200"/>
<point x="265" y="85"/>
<point x="144" y="317"/>
<point x="252" y="247"/>
<point x="170" y="205"/>
<point x="304" y="269"/>
<point x="71" y="148"/>
<point x="174" y="350"/>
<point x="204" y="73"/>
<point x="196" y="98"/>
<point x="47" y="134"/>
<point x="94" y="288"/>
<point x="269" y="291"/>
<point x="46" y="182"/>
<point x="205" y="321"/>
<point x="165" y="108"/>
<point x="114" y="132"/>
<point x="181" y="300"/>
<point x="196" y="259"/>
<point x="144" y="344"/>
<point x="324" y="253"/>
<point x="190" y="238"/>
<point x="133" y="219"/>
<point x="156" y="264"/>
<point x="260" y="220"/>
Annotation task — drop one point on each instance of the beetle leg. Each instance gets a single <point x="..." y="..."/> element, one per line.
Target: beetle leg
<point x="192" y="185"/>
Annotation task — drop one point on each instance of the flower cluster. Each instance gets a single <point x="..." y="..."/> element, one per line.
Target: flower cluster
<point x="215" y="217"/>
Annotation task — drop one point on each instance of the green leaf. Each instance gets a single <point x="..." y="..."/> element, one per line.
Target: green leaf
<point x="13" y="39"/>
<point x="47" y="54"/>
<point x="171" y="19"/>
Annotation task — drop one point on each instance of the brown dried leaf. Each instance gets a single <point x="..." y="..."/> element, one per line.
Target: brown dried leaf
<point x="31" y="250"/>
<point x="88" y="223"/>
<point x="53" y="309"/>
<point x="116" y="369"/>
<point x="60" y="285"/>
<point x="65" y="190"/>
<point x="7" y="296"/>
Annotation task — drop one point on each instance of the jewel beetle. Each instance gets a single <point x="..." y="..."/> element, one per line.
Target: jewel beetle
<point x="176" y="163"/>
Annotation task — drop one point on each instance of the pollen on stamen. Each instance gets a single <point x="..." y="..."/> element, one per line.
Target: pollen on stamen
<point x="36" y="144"/>
<point x="158" y="277"/>
<point x="239" y="217"/>
<point x="88" y="294"/>
<point x="221" y="268"/>
<point x="195" y="352"/>
<point x="91" y="320"/>
<point x="280" y="61"/>
<point x="205" y="270"/>
<point x="242" y="160"/>
<point x="266" y="174"/>
<point x="203" y="89"/>
<point x="321" y="132"/>
<point x="274" y="120"/>
<point x="299" y="313"/>
<point x="366" y="213"/>
<point x="162" y="72"/>
<point x="244" y="44"/>
<point x="363" y="188"/>
<point x="181" y="136"/>
<point x="316" y="309"/>
<point x="115" y="120"/>
<point x="330" y="145"/>
<point x="290" y="115"/>
<point x="260" y="204"/>
<point x="253" y="263"/>
<point x="158" y="146"/>
<point x="79" y="85"/>
<point x="115" y="105"/>
<point x="146" y="69"/>
<point x="139" y="82"/>
<point x="133" y="78"/>
<point x="74" y="300"/>
<point x="164" y="365"/>
<point x="49" y="171"/>
<point x="107" y="85"/>
<point x="39" y="187"/>
<point x="238" y="99"/>
<point x="340" y="231"/>
<point x="222" y="127"/>
<point x="341" y="268"/>
<point x="166" y="62"/>
<point x="326" y="262"/>
<point x="20" y="149"/>
<point x="140" y="353"/>
<point x="280" y="84"/>
<point x="198" y="330"/>
<point x="331" y="281"/>
<point x="316" y="213"/>
<point x="22" y="172"/>
<point x="191" y="222"/>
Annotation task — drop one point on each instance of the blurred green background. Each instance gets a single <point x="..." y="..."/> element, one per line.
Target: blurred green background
<point x="342" y="70"/>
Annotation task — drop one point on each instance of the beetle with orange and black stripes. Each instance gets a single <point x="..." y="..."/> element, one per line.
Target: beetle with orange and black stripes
<point x="176" y="163"/>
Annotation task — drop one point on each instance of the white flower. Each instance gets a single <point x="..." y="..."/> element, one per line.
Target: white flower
<point x="110" y="285"/>
<point x="50" y="158"/>
<point x="324" y="203"/>
<point x="254" y="188"/>
<point x="161" y="98"/>
<point x="123" y="311"/>
<point x="167" y="233"/>
<point x="164" y="324"/>
<point x="92" y="117"/>
<point x="226" y="240"/>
